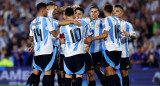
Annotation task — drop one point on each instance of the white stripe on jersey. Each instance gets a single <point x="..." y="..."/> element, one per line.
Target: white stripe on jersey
<point x="126" y="26"/>
<point x="39" y="29"/>
<point x="112" y="42"/>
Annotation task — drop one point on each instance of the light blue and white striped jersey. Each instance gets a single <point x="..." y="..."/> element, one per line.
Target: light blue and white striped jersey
<point x="97" y="29"/>
<point x="74" y="38"/>
<point x="39" y="29"/>
<point x="112" y="42"/>
<point x="126" y="26"/>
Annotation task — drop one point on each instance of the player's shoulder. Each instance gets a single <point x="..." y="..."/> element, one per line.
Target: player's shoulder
<point x="110" y="19"/>
<point x="128" y="23"/>
<point x="85" y="20"/>
<point x="113" y="18"/>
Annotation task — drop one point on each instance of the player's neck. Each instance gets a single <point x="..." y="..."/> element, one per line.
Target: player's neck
<point x="121" y="19"/>
<point x="94" y="19"/>
<point x="108" y="14"/>
<point x="40" y="14"/>
<point x="69" y="18"/>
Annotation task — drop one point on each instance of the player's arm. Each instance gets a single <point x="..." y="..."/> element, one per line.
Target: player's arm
<point x="55" y="32"/>
<point x="106" y="28"/>
<point x="133" y="36"/>
<point x="126" y="34"/>
<point x="131" y="33"/>
<point x="66" y="22"/>
<point x="87" y="48"/>
<point x="102" y="36"/>
<point x="30" y="44"/>
<point x="62" y="9"/>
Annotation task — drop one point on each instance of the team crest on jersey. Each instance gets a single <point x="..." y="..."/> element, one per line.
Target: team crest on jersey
<point x="92" y="26"/>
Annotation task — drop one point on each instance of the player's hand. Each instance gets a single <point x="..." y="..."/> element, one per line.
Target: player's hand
<point x="87" y="49"/>
<point x="77" y="23"/>
<point x="30" y="50"/>
<point x="87" y="40"/>
<point x="124" y="33"/>
<point x="75" y="6"/>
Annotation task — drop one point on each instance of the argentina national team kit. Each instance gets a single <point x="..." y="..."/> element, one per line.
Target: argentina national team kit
<point x="43" y="46"/>
<point x="125" y="62"/>
<point x="96" y="47"/>
<point x="112" y="53"/>
<point x="74" y="48"/>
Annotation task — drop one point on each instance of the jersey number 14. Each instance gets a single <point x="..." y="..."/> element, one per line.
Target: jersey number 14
<point x="37" y="32"/>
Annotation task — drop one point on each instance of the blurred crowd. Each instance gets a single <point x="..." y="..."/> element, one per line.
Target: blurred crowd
<point x="16" y="15"/>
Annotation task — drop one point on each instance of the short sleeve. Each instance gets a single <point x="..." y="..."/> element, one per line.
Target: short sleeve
<point x="49" y="25"/>
<point x="87" y="20"/>
<point x="55" y="24"/>
<point x="84" y="21"/>
<point x="106" y="24"/>
<point x="31" y="30"/>
<point x="131" y="30"/>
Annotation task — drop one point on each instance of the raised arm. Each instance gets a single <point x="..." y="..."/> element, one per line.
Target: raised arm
<point x="62" y="9"/>
<point x="66" y="22"/>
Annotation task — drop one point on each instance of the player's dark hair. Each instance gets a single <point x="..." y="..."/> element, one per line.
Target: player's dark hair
<point x="69" y="12"/>
<point x="95" y="7"/>
<point x="119" y="6"/>
<point x="51" y="3"/>
<point x="81" y="9"/>
<point x="41" y="5"/>
<point x="108" y="8"/>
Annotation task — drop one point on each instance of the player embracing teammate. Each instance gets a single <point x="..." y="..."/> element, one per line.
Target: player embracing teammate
<point x="86" y="45"/>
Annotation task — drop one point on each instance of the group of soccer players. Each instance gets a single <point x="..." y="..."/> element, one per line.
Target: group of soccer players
<point x="81" y="45"/>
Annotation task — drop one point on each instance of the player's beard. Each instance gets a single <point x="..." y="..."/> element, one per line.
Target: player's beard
<point x="50" y="13"/>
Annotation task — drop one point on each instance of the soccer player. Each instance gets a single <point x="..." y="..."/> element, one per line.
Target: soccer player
<point x="96" y="47"/>
<point x="74" y="49"/>
<point x="79" y="12"/>
<point x="40" y="34"/>
<point x="128" y="32"/>
<point x="42" y="41"/>
<point x="112" y="47"/>
<point x="52" y="9"/>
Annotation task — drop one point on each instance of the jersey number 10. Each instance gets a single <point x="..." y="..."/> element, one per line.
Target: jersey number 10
<point x="37" y="32"/>
<point x="117" y="31"/>
<point x="74" y="35"/>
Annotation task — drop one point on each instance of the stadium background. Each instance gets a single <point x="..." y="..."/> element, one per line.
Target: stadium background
<point x="16" y="15"/>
